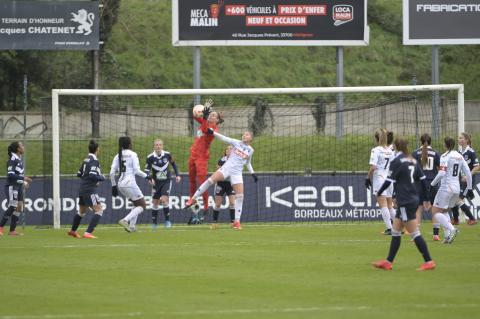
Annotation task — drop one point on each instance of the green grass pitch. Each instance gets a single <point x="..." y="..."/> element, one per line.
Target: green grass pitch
<point x="263" y="271"/>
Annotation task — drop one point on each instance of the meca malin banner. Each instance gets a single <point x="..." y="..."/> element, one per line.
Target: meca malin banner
<point x="269" y="22"/>
<point x="49" y="25"/>
<point x="274" y="198"/>
<point x="435" y="22"/>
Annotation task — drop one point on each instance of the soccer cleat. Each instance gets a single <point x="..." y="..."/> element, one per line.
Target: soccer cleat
<point x="237" y="225"/>
<point x="471" y="222"/>
<point x="436" y="238"/>
<point x="168" y="224"/>
<point x="73" y="234"/>
<point x="154" y="226"/>
<point x="1" y="231"/>
<point x="124" y="224"/>
<point x="429" y="265"/>
<point x="451" y="237"/>
<point x="454" y="221"/>
<point x="88" y="235"/>
<point x="214" y="226"/>
<point x="190" y="202"/>
<point x="387" y="232"/>
<point x="383" y="264"/>
<point x="15" y="233"/>
<point x="194" y="220"/>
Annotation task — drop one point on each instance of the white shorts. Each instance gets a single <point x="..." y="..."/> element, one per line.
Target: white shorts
<point x="130" y="189"/>
<point x="445" y="199"/>
<point x="377" y="184"/>
<point x="233" y="177"/>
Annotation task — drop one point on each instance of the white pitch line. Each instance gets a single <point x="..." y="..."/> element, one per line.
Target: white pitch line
<point x="227" y="312"/>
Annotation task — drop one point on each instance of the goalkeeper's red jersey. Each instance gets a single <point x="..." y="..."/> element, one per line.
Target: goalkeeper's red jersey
<point x="201" y="145"/>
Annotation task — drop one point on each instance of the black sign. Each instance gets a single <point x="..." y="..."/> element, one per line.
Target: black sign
<point x="432" y="22"/>
<point x="270" y="22"/>
<point x="48" y="25"/>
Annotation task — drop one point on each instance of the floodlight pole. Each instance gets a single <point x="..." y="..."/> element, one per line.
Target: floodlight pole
<point x="435" y="94"/>
<point x="339" y="114"/>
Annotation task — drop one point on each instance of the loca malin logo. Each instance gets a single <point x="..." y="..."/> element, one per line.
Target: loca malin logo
<point x="342" y="13"/>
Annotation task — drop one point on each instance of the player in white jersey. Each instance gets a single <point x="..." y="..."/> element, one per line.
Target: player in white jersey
<point x="380" y="158"/>
<point x="232" y="170"/>
<point x="451" y="164"/>
<point x="126" y="163"/>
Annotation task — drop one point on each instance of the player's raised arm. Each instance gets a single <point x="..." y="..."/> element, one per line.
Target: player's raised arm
<point x="223" y="138"/>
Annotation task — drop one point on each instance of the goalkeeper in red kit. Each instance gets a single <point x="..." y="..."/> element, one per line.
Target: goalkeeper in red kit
<point x="199" y="155"/>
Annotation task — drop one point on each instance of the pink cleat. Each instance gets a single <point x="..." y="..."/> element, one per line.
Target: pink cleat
<point x="73" y="234"/>
<point x="88" y="235"/>
<point x="383" y="264"/>
<point x="436" y="238"/>
<point x="15" y="233"/>
<point x="237" y="225"/>
<point x="429" y="265"/>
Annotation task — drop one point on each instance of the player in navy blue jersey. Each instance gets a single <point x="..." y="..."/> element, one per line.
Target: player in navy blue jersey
<point x="223" y="188"/>
<point x="430" y="161"/>
<point x="157" y="166"/>
<point x="90" y="175"/>
<point x="16" y="181"/>
<point x="465" y="143"/>
<point x="403" y="172"/>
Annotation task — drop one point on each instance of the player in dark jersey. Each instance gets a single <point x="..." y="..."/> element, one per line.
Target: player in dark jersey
<point x="223" y="188"/>
<point x="430" y="161"/>
<point x="403" y="172"/>
<point x="157" y="167"/>
<point x="465" y="143"/>
<point x="16" y="181"/>
<point x="90" y="176"/>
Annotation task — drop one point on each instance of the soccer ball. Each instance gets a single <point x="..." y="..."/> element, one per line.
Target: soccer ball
<point x="198" y="110"/>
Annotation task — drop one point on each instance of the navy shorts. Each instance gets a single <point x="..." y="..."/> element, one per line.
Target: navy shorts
<point x="161" y="189"/>
<point x="406" y="212"/>
<point x="223" y="188"/>
<point x="432" y="191"/>
<point x="88" y="200"/>
<point x="14" y="193"/>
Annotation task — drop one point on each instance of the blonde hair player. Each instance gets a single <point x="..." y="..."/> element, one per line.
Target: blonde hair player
<point x="380" y="158"/>
<point x="232" y="170"/>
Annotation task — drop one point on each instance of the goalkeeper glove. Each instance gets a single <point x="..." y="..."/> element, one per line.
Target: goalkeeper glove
<point x="206" y="112"/>
<point x="255" y="178"/>
<point x="368" y="183"/>
<point x="210" y="131"/>
<point x="114" y="191"/>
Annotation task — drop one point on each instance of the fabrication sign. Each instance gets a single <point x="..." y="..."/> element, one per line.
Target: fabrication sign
<point x="49" y="25"/>
<point x="269" y="22"/>
<point x="435" y="22"/>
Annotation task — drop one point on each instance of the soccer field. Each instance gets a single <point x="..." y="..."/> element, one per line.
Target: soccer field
<point x="263" y="271"/>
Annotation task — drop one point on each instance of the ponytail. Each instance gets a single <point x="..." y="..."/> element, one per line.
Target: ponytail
<point x="124" y="143"/>
<point x="426" y="140"/>
<point x="13" y="148"/>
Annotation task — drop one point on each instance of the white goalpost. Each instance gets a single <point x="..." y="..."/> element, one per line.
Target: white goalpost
<point x="57" y="95"/>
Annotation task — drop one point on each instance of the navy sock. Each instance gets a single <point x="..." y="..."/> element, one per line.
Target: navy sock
<point x="13" y="222"/>
<point x="155" y="216"/>
<point x="76" y="222"/>
<point x="436" y="231"/>
<point x="394" y="246"/>
<point x="232" y="215"/>
<point x="422" y="248"/>
<point x="455" y="213"/>
<point x="166" y="212"/>
<point x="215" y="215"/>
<point x="466" y="211"/>
<point x="6" y="216"/>
<point x="93" y="223"/>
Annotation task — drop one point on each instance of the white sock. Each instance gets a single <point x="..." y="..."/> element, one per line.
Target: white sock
<point x="238" y="206"/>
<point x="386" y="217"/>
<point x="445" y="222"/>
<point x="203" y="188"/>
<point x="392" y="213"/>
<point x="132" y="216"/>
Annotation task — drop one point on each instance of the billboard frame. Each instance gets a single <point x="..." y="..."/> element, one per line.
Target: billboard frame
<point x="408" y="41"/>
<point x="177" y="42"/>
